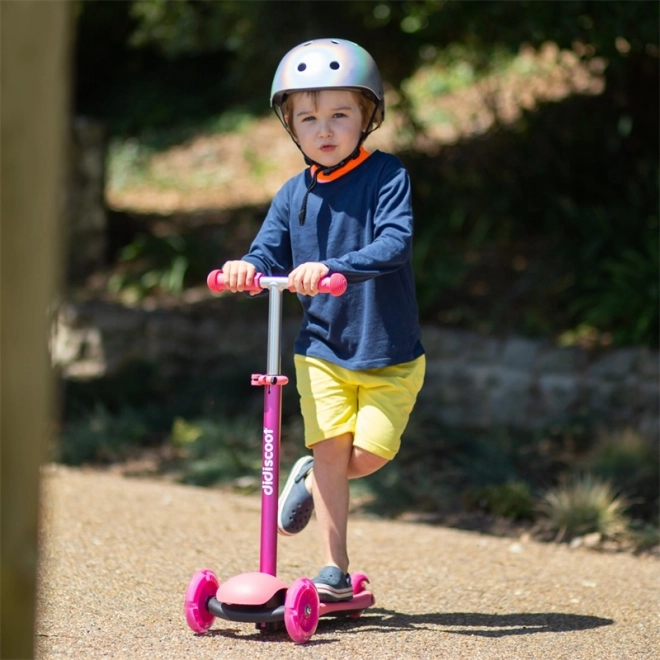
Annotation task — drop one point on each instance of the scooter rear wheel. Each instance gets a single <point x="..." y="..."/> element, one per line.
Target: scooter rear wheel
<point x="301" y="610"/>
<point x="203" y="585"/>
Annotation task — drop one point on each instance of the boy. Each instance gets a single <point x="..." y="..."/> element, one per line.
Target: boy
<point x="359" y="359"/>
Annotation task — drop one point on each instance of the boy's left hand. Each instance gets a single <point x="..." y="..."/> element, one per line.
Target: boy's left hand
<point x="305" y="278"/>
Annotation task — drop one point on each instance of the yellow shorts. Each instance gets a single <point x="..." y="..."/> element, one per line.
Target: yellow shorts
<point x="373" y="404"/>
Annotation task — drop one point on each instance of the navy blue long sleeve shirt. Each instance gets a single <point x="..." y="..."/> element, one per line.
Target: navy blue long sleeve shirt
<point x="360" y="225"/>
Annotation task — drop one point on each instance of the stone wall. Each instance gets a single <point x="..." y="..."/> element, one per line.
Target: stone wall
<point x="472" y="381"/>
<point x="85" y="211"/>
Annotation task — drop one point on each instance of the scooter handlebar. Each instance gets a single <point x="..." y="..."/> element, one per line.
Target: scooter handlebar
<point x="334" y="284"/>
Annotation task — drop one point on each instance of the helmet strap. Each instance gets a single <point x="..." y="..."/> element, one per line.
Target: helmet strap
<point x="302" y="214"/>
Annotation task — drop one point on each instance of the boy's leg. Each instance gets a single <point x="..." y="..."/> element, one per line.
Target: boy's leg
<point x="329" y="487"/>
<point x="335" y="462"/>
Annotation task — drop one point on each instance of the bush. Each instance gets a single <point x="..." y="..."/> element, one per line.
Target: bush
<point x="630" y="462"/>
<point x="217" y="450"/>
<point x="513" y="500"/>
<point x="101" y="436"/>
<point x="584" y="505"/>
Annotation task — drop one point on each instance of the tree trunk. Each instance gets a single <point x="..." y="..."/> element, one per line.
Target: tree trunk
<point x="36" y="46"/>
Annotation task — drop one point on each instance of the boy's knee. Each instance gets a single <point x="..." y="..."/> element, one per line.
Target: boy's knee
<point x="364" y="462"/>
<point x="334" y="449"/>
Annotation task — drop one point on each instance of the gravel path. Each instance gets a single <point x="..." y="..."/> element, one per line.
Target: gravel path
<point x="117" y="555"/>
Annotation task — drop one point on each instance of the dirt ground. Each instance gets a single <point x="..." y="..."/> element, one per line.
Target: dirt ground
<point x="117" y="554"/>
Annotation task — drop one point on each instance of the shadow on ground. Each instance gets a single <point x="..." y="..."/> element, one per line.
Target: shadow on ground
<point x="472" y="623"/>
<point x="476" y="624"/>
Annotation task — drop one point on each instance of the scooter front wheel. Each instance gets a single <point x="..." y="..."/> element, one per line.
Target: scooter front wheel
<point x="203" y="585"/>
<point x="301" y="610"/>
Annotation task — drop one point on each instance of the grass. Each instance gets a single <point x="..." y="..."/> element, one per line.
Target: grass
<point x="216" y="450"/>
<point x="102" y="436"/>
<point x="513" y="500"/>
<point x="585" y="505"/>
<point x="623" y="456"/>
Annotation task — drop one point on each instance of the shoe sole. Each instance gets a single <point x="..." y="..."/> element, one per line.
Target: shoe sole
<point x="285" y="494"/>
<point x="328" y="594"/>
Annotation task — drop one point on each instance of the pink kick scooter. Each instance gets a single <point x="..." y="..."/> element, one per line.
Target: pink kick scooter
<point x="261" y="597"/>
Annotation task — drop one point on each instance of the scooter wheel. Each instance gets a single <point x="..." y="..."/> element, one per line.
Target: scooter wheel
<point x="204" y="585"/>
<point x="358" y="580"/>
<point x="301" y="610"/>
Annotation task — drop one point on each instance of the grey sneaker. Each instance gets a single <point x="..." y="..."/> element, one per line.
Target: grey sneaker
<point x="333" y="585"/>
<point x="295" y="505"/>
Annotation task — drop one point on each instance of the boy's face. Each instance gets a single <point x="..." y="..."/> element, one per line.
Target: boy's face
<point x="329" y="129"/>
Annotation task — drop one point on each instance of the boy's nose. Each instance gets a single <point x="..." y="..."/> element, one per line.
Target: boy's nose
<point x="324" y="128"/>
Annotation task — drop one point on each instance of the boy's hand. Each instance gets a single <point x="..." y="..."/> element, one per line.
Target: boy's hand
<point x="305" y="278"/>
<point x="238" y="275"/>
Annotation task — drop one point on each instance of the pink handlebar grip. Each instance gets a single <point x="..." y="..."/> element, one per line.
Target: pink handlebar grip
<point x="216" y="282"/>
<point x="334" y="284"/>
<point x="212" y="281"/>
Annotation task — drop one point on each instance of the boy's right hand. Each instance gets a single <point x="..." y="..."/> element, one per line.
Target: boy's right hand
<point x="238" y="275"/>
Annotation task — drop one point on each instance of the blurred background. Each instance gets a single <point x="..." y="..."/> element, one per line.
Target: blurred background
<point x="530" y="130"/>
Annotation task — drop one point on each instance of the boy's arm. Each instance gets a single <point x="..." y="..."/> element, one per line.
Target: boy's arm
<point x="270" y="252"/>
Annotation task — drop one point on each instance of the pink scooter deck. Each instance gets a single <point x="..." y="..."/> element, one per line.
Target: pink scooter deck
<point x="358" y="603"/>
<point x="258" y="588"/>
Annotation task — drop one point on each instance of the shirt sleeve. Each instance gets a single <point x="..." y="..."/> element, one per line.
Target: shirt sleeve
<point x="270" y="251"/>
<point x="393" y="230"/>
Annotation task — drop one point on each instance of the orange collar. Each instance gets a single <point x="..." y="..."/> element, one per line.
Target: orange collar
<point x="351" y="165"/>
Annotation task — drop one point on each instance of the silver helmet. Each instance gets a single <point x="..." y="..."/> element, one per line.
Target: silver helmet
<point x="327" y="64"/>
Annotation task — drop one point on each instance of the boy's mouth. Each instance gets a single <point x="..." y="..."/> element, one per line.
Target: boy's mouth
<point x="326" y="148"/>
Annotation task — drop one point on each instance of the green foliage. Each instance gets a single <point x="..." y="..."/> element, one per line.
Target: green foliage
<point x="438" y="267"/>
<point x="643" y="536"/>
<point x="133" y="388"/>
<point x="134" y="89"/>
<point x="622" y="294"/>
<point x="512" y="500"/>
<point x="630" y="462"/>
<point x="190" y="28"/>
<point x="442" y="470"/>
<point x="128" y="162"/>
<point x="102" y="436"/>
<point x="165" y="264"/>
<point x="588" y="244"/>
<point x="452" y="71"/>
<point x="217" y="449"/>
<point x="167" y="274"/>
<point x="159" y="61"/>
<point x="585" y="505"/>
<point x="625" y="457"/>
<point x="580" y="178"/>
<point x="159" y="401"/>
